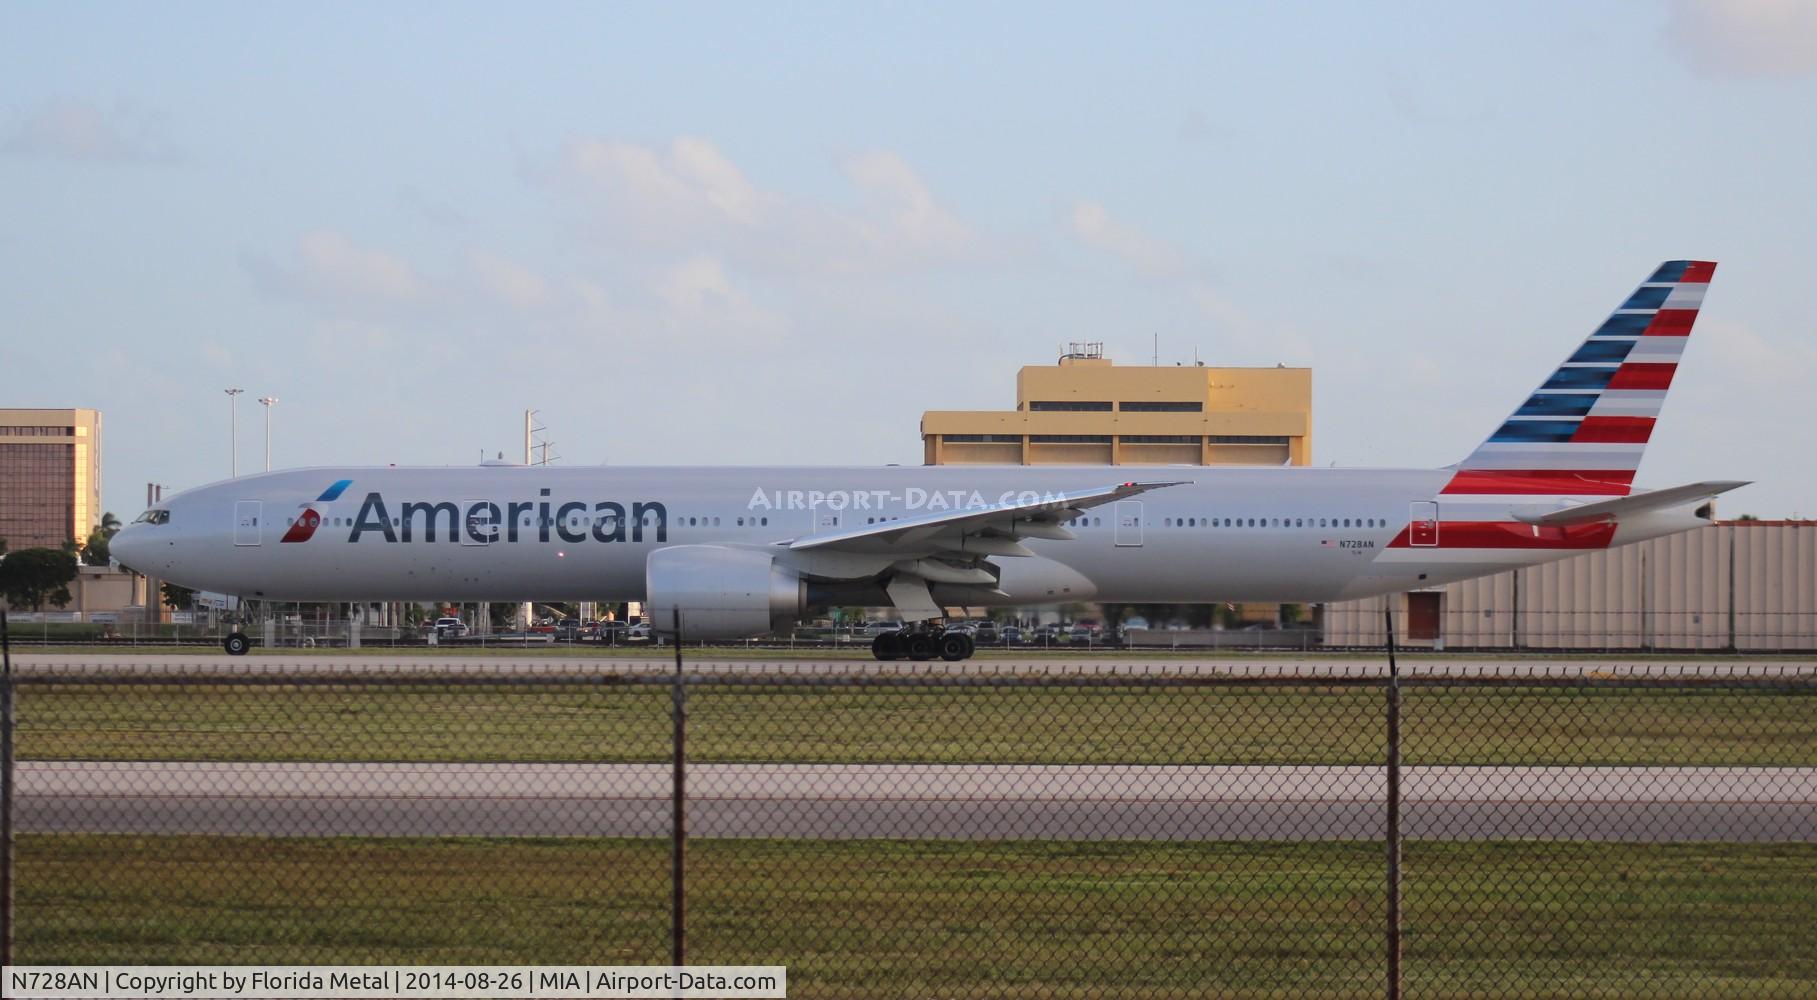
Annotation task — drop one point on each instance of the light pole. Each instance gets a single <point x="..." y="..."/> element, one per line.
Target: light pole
<point x="233" y="410"/>
<point x="268" y="400"/>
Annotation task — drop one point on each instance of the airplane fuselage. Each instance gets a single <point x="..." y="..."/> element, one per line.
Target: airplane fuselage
<point x="561" y="533"/>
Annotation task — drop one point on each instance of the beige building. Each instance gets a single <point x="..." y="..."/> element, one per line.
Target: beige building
<point x="1738" y="585"/>
<point x="50" y="476"/>
<point x="1085" y="410"/>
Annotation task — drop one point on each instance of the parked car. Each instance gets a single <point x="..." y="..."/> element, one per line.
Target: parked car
<point x="881" y="626"/>
<point x="639" y="632"/>
<point x="611" y="631"/>
<point x="568" y="630"/>
<point x="986" y="633"/>
<point x="449" y="628"/>
<point x="1010" y="635"/>
<point x="1048" y="634"/>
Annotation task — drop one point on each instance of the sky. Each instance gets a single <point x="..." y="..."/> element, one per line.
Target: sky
<point x="776" y="233"/>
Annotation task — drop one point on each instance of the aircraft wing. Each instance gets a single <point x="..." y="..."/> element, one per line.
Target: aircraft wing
<point x="1603" y="510"/>
<point x="991" y="530"/>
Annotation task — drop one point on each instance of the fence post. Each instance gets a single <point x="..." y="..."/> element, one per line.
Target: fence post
<point x="678" y="839"/>
<point x="6" y="794"/>
<point x="1394" y="813"/>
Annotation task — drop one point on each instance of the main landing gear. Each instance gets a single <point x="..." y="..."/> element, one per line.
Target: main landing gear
<point x="923" y="642"/>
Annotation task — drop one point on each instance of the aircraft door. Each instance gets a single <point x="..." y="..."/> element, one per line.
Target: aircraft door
<point x="1129" y="522"/>
<point x="246" y="515"/>
<point x="481" y="522"/>
<point x="1423" y="528"/>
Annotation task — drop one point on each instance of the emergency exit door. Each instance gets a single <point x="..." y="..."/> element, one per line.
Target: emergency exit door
<point x="246" y="522"/>
<point x="1128" y="516"/>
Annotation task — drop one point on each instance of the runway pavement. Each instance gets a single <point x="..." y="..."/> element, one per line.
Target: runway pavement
<point x="376" y="662"/>
<point x="967" y="802"/>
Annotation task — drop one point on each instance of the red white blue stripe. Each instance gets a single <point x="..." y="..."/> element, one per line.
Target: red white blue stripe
<point x="1583" y="431"/>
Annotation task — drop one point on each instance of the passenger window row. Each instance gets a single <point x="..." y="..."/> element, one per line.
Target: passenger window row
<point x="1275" y="522"/>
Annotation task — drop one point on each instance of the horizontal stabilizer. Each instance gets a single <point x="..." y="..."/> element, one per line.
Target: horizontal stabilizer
<point x="1604" y="510"/>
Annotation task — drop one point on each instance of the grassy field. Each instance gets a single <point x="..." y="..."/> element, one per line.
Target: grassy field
<point x="863" y="919"/>
<point x="1235" y="725"/>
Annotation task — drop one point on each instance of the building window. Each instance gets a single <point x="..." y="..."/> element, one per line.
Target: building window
<point x="1247" y="439"/>
<point x="982" y="438"/>
<point x="1161" y="407"/>
<point x="1161" y="439"/>
<point x="1068" y="405"/>
<point x="1069" y="438"/>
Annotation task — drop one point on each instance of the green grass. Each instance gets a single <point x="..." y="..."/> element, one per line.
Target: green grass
<point x="927" y="919"/>
<point x="1228" y="725"/>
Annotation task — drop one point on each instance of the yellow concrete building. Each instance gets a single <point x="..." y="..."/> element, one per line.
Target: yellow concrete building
<point x="50" y="476"/>
<point x="1085" y="410"/>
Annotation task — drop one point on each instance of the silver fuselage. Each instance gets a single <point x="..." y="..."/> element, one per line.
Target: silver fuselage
<point x="564" y="533"/>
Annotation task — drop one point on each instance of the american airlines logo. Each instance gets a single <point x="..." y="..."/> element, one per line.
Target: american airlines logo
<point x="483" y="522"/>
<point x="303" y="528"/>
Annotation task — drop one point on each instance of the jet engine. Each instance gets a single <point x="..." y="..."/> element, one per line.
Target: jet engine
<point x="721" y="592"/>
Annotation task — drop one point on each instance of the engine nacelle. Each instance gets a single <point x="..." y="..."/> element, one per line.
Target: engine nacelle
<point x="721" y="592"/>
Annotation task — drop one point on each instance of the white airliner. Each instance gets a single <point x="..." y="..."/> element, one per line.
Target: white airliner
<point x="734" y="552"/>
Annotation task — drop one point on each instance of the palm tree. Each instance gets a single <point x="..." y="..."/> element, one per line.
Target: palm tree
<point x="110" y="525"/>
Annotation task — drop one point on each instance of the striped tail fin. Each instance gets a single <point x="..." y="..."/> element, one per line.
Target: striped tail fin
<point x="1582" y="432"/>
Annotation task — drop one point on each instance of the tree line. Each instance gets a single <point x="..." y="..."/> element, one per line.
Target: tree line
<point x="32" y="578"/>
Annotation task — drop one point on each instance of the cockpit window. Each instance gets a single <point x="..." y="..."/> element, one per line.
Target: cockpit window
<point x="153" y="517"/>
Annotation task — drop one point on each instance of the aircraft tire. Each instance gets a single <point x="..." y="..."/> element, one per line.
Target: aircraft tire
<point x="236" y="644"/>
<point x="954" y="647"/>
<point x="887" y="646"/>
<point x="922" y="647"/>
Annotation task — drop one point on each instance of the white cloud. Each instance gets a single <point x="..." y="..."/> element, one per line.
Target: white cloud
<point x="1745" y="37"/>
<point x="718" y="180"/>
<point x="701" y="299"/>
<point x="907" y="216"/>
<point x="1749" y="358"/>
<point x="1093" y="224"/>
<point x="509" y="281"/>
<point x="335" y="263"/>
<point x="78" y="130"/>
<point x="693" y="184"/>
<point x="1242" y="336"/>
<point x="692" y="198"/>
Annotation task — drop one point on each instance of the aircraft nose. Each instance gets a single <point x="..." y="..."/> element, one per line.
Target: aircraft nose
<point x="127" y="546"/>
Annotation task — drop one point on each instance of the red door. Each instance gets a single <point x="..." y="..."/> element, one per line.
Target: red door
<point x="1422" y="615"/>
<point x="1423" y="529"/>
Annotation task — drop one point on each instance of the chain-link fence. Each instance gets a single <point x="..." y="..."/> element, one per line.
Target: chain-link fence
<point x="945" y="836"/>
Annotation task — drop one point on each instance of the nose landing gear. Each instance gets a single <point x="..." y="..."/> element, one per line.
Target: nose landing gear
<point x="236" y="644"/>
